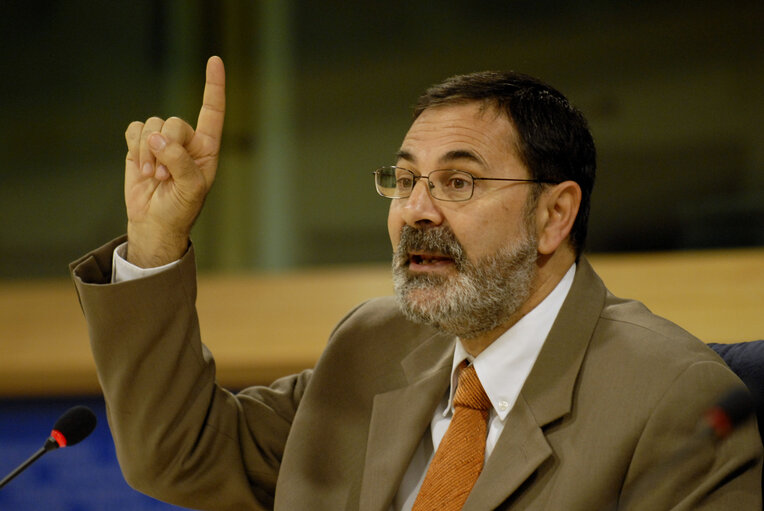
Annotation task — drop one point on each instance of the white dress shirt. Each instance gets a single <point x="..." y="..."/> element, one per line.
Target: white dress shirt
<point x="502" y="369"/>
<point x="122" y="270"/>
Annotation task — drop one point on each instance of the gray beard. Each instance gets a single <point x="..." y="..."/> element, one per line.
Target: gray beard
<point x="479" y="298"/>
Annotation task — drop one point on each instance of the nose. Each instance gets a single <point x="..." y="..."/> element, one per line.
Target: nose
<point x="420" y="206"/>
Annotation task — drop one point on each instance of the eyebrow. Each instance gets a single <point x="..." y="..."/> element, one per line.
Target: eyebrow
<point x="405" y="155"/>
<point x="449" y="157"/>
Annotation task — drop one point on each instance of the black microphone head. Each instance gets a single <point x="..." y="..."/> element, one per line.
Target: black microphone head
<point x="738" y="404"/>
<point x="734" y="408"/>
<point x="74" y="426"/>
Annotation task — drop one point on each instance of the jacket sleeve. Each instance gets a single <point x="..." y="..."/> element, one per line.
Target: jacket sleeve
<point x="179" y="436"/>
<point x="676" y="467"/>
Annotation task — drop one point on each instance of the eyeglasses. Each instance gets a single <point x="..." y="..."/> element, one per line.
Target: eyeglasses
<point x="446" y="185"/>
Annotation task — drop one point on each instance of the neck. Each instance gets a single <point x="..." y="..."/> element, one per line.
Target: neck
<point x="550" y="271"/>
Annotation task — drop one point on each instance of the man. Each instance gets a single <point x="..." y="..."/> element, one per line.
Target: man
<point x="579" y="397"/>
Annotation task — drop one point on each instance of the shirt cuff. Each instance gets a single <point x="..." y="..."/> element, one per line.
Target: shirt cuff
<point x="122" y="270"/>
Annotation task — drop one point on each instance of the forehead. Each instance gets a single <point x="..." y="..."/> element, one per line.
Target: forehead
<point x="474" y="128"/>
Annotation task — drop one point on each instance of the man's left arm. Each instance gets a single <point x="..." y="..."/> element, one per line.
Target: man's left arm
<point x="671" y="471"/>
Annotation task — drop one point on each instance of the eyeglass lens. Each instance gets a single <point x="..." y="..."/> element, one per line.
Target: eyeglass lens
<point x="451" y="185"/>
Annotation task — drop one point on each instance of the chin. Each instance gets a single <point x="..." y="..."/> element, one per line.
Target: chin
<point x="423" y="299"/>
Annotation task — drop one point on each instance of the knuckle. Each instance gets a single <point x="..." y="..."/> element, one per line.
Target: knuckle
<point x="134" y="126"/>
<point x="175" y="127"/>
<point x="171" y="125"/>
<point x="151" y="125"/>
<point x="133" y="130"/>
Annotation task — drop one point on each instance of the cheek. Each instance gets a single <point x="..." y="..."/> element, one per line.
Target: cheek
<point x="475" y="244"/>
<point x="485" y="233"/>
<point x="394" y="225"/>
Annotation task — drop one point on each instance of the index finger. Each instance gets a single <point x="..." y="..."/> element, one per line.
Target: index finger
<point x="212" y="113"/>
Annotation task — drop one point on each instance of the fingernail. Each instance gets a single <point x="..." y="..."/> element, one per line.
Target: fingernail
<point x="162" y="173"/>
<point x="157" y="142"/>
<point x="148" y="169"/>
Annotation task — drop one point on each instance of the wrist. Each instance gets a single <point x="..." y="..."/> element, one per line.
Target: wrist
<point x="154" y="249"/>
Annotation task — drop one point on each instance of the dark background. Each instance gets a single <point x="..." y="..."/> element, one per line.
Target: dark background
<point x="320" y="94"/>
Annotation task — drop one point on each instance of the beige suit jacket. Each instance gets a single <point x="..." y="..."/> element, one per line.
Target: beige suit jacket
<point x="613" y="393"/>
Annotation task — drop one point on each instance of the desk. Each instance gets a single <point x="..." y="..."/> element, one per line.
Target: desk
<point x="261" y="326"/>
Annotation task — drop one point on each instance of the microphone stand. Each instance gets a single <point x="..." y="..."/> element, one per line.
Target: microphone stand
<point x="50" y="445"/>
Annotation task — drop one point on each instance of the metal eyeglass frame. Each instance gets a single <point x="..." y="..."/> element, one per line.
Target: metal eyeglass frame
<point x="431" y="186"/>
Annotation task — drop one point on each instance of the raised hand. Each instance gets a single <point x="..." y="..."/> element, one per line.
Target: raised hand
<point x="169" y="169"/>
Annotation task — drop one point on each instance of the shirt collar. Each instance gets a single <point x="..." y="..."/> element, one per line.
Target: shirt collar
<point x="504" y="366"/>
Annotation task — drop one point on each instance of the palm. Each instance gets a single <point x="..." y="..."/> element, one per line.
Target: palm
<point x="171" y="202"/>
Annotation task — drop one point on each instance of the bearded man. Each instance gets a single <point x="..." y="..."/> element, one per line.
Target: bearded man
<point x="502" y="375"/>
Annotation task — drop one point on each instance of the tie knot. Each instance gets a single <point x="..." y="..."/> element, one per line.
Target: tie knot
<point x="469" y="391"/>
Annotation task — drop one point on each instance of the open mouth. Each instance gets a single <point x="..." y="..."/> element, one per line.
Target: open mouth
<point x="423" y="260"/>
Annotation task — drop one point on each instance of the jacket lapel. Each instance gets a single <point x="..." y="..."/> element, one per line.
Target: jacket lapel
<point x="521" y="448"/>
<point x="546" y="396"/>
<point x="399" y="419"/>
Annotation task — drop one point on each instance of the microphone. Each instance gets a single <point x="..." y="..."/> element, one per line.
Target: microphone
<point x="70" y="429"/>
<point x="734" y="408"/>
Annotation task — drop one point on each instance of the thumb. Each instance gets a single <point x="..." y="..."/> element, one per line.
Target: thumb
<point x="184" y="171"/>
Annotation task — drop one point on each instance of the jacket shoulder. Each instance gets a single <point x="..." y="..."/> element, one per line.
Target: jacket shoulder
<point x="378" y="326"/>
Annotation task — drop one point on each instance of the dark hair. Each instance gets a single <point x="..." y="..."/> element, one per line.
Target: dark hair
<point x="554" y="138"/>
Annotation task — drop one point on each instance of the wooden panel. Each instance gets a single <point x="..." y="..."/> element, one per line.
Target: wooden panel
<point x="263" y="326"/>
<point x="716" y="295"/>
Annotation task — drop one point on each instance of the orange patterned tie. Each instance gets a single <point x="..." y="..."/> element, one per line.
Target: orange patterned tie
<point x="459" y="458"/>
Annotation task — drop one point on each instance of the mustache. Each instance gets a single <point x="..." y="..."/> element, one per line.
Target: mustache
<point x="440" y="239"/>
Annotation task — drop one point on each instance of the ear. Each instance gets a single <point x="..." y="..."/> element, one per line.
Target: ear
<point x="555" y="214"/>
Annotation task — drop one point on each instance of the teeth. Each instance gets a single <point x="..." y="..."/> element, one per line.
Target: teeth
<point x="429" y="261"/>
